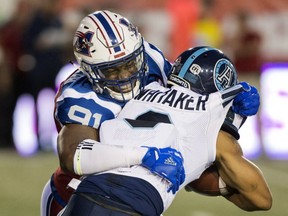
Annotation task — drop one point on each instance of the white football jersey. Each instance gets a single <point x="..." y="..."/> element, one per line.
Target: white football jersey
<point x="175" y="117"/>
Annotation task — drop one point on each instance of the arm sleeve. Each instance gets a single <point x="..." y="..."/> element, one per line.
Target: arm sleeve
<point x="232" y="124"/>
<point x="92" y="156"/>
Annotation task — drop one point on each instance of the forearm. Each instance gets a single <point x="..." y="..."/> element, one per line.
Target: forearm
<point x="242" y="175"/>
<point x="252" y="192"/>
<point x="242" y="202"/>
<point x="92" y="157"/>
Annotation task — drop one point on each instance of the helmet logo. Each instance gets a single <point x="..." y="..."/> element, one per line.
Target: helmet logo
<point x="195" y="69"/>
<point x="129" y="25"/>
<point x="83" y="42"/>
<point x="225" y="74"/>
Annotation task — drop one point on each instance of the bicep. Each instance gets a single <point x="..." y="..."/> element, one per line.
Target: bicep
<point x="235" y="169"/>
<point x="228" y="157"/>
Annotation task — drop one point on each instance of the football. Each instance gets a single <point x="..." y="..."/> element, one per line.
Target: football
<point x="207" y="184"/>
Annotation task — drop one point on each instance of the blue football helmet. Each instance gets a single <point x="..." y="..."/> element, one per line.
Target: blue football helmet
<point x="204" y="70"/>
<point x="110" y="50"/>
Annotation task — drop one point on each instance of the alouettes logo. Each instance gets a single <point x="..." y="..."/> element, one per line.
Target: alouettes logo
<point x="83" y="42"/>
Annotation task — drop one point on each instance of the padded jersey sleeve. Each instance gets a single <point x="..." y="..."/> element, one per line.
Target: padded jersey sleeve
<point x="158" y="65"/>
<point x="233" y="121"/>
<point x="232" y="124"/>
<point x="77" y="103"/>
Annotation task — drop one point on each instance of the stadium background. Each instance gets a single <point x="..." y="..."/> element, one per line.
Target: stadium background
<point x="28" y="159"/>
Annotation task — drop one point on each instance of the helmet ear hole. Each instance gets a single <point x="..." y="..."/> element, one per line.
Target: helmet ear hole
<point x="206" y="69"/>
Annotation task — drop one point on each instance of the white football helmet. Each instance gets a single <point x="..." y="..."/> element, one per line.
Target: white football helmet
<point x="110" y="50"/>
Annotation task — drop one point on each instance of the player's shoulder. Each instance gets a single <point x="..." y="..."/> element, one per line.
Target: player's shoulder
<point x="158" y="65"/>
<point x="76" y="82"/>
<point x="78" y="88"/>
<point x="151" y="49"/>
<point x="227" y="145"/>
<point x="77" y="102"/>
<point x="155" y="54"/>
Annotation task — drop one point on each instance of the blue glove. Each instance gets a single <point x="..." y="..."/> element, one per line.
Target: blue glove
<point x="167" y="163"/>
<point x="247" y="102"/>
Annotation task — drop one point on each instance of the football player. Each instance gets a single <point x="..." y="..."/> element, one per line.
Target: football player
<point x="188" y="116"/>
<point x="115" y="63"/>
<point x="91" y="96"/>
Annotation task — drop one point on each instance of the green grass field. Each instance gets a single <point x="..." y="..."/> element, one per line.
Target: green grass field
<point x="22" y="180"/>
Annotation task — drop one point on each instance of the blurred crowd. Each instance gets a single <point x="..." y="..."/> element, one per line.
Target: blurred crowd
<point x="34" y="44"/>
<point x="36" y="40"/>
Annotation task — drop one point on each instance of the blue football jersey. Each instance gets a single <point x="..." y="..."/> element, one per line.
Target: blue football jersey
<point x="76" y="101"/>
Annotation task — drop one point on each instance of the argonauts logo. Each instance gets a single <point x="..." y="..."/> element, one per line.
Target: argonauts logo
<point x="225" y="74"/>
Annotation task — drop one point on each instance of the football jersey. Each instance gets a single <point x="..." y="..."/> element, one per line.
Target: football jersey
<point x="77" y="102"/>
<point x="175" y="117"/>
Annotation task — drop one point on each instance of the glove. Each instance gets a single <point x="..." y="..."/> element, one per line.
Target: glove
<point x="247" y="102"/>
<point x="167" y="163"/>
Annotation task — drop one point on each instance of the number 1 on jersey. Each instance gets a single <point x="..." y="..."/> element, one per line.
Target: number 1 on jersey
<point x="83" y="116"/>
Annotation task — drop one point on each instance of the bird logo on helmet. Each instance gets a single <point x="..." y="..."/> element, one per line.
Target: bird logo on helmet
<point x="204" y="70"/>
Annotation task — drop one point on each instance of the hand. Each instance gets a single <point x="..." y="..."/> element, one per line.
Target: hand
<point x="167" y="163"/>
<point x="247" y="102"/>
